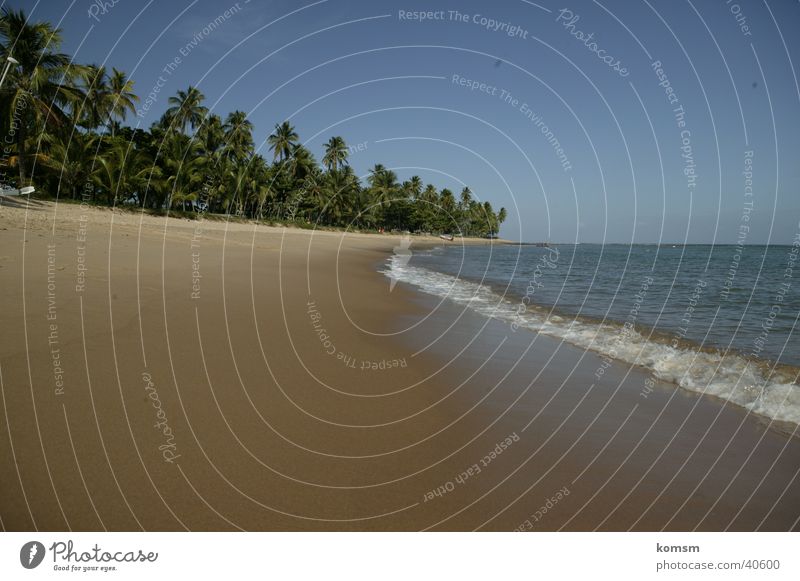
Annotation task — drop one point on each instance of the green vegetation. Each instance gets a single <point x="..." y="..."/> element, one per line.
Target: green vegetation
<point x="62" y="126"/>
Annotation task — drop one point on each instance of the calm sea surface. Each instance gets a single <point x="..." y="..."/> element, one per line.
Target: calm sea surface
<point x="711" y="319"/>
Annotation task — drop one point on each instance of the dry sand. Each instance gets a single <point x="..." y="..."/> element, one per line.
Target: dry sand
<point x="284" y="389"/>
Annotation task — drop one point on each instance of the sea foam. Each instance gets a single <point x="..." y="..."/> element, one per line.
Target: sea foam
<point x="728" y="376"/>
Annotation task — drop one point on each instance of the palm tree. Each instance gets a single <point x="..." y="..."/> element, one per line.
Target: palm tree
<point x="182" y="161"/>
<point x="104" y="100"/>
<point x="238" y="136"/>
<point x="335" y="153"/>
<point x="34" y="90"/>
<point x="447" y="200"/>
<point x="222" y="189"/>
<point x="447" y="207"/>
<point x="186" y="185"/>
<point x="302" y="163"/>
<point x="465" y="201"/>
<point x="123" y="171"/>
<point x="414" y="188"/>
<point x="376" y="170"/>
<point x="496" y="220"/>
<point x="282" y="141"/>
<point x="490" y="219"/>
<point x="94" y="107"/>
<point x="210" y="140"/>
<point x="243" y="190"/>
<point x="361" y="209"/>
<point x="335" y="204"/>
<point x="72" y="159"/>
<point x="426" y="207"/>
<point x="383" y="186"/>
<point x="120" y="96"/>
<point x="262" y="189"/>
<point x="309" y="201"/>
<point x="465" y="198"/>
<point x="211" y="134"/>
<point x="186" y="109"/>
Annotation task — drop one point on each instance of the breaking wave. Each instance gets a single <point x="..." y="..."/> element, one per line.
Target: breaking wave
<point x="750" y="384"/>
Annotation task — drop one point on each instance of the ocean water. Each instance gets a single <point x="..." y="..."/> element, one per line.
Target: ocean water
<point x="719" y="320"/>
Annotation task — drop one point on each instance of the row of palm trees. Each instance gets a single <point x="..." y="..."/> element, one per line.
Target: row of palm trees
<point x="63" y="129"/>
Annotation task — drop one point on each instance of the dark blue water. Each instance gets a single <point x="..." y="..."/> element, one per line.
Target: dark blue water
<point x="698" y="293"/>
<point x="716" y="320"/>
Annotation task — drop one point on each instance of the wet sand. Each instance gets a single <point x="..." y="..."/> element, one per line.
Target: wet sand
<point x="214" y="376"/>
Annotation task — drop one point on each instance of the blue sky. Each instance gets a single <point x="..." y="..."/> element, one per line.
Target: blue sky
<point x="371" y="73"/>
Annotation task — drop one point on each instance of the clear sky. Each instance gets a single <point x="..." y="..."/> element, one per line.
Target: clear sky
<point x="574" y="134"/>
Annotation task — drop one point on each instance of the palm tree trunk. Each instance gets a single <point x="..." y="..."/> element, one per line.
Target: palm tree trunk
<point x="21" y="154"/>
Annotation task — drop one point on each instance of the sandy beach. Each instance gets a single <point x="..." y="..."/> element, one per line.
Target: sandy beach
<point x="167" y="374"/>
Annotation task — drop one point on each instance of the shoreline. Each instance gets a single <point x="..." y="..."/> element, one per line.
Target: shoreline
<point x="647" y="443"/>
<point x="272" y="426"/>
<point x="663" y="352"/>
